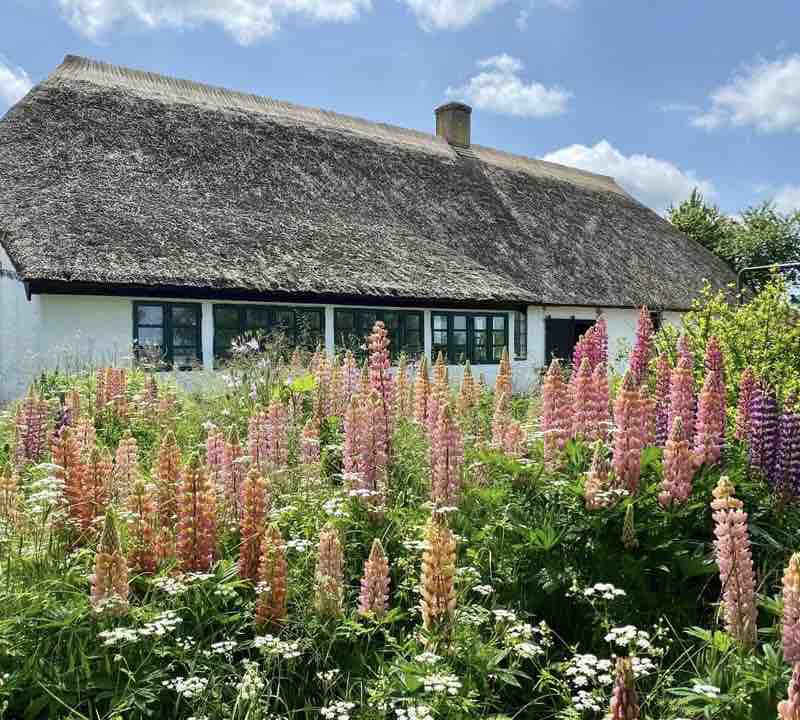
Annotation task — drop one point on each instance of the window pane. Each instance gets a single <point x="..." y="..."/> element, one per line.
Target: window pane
<point x="413" y="339"/>
<point x="499" y="322"/>
<point x="344" y="322"/>
<point x="459" y="322"/>
<point x="439" y="322"/>
<point x="498" y="353"/>
<point x="223" y="340"/>
<point x="149" y="315"/>
<point x="413" y="322"/>
<point x="309" y="320"/>
<point x="184" y="337"/>
<point x="479" y="323"/>
<point x="283" y="320"/>
<point x="460" y="337"/>
<point x="151" y="336"/>
<point x="440" y="337"/>
<point x="226" y="317"/>
<point x="256" y="318"/>
<point x="184" y="316"/>
<point x="366" y="320"/>
<point x="499" y="339"/>
<point x="479" y="347"/>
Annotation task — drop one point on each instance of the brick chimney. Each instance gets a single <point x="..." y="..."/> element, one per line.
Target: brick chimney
<point x="453" y="123"/>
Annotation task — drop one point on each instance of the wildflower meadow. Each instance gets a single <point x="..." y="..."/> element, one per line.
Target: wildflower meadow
<point x="355" y="537"/>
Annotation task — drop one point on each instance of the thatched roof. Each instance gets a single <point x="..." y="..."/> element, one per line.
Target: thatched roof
<point x="118" y="177"/>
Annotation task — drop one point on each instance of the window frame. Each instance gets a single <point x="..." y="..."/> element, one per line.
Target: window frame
<point x="361" y="329"/>
<point x="168" y="325"/>
<point x="520" y="337"/>
<point x="452" y="355"/>
<point x="273" y="324"/>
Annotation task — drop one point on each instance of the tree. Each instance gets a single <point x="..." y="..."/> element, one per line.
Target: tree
<point x="702" y="222"/>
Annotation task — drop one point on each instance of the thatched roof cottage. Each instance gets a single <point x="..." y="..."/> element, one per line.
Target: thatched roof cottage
<point x="138" y="207"/>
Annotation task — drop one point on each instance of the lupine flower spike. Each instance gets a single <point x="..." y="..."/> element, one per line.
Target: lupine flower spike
<point x="710" y="423"/>
<point x="96" y="485"/>
<point x="440" y="390"/>
<point x="791" y="611"/>
<point x="402" y="389"/>
<point x="584" y="420"/>
<point x="556" y="419"/>
<point x="624" y="700"/>
<point x="31" y="429"/>
<point x="197" y="525"/>
<point x="502" y="384"/>
<point x="373" y="600"/>
<point x="678" y="468"/>
<point x="126" y="466"/>
<point x="72" y="471"/>
<point x="467" y="397"/>
<point x="438" y="601"/>
<point x="447" y="459"/>
<point x="167" y="471"/>
<point x="764" y="431"/>
<point x="380" y="379"/>
<point x="647" y="414"/>
<point x="254" y="513"/>
<point x="501" y="419"/>
<point x="329" y="573"/>
<point x="642" y="347"/>
<point x="663" y="373"/>
<point x="601" y="401"/>
<point x="597" y="485"/>
<point x="681" y="391"/>
<point x="629" y="539"/>
<point x="271" y="589"/>
<point x="787" y="461"/>
<point x="628" y="436"/>
<point x="744" y="408"/>
<point x="142" y="528"/>
<point x="309" y="442"/>
<point x="790" y="709"/>
<point x="110" y="579"/>
<point x="732" y="548"/>
<point x="422" y="391"/>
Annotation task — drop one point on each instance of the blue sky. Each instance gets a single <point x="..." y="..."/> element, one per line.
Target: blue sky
<point x="662" y="95"/>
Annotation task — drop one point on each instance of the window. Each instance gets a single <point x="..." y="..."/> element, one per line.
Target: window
<point x="352" y="325"/>
<point x="301" y="326"/>
<point x="521" y="335"/>
<point x="167" y="333"/>
<point x="655" y="318"/>
<point x="561" y="335"/>
<point x="477" y="337"/>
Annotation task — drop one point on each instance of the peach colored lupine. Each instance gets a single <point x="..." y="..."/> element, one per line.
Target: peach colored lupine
<point x="99" y="390"/>
<point x="272" y="571"/>
<point x="744" y="406"/>
<point x="313" y="363"/>
<point x="363" y="379"/>
<point x="790" y="627"/>
<point x="349" y="376"/>
<point x="601" y="401"/>
<point x="440" y="391"/>
<point x="663" y="374"/>
<point x="628" y="435"/>
<point x="447" y="460"/>
<point x="467" y="397"/>
<point x="437" y="583"/>
<point x="197" y="519"/>
<point x="277" y="434"/>
<point x="336" y="400"/>
<point x="31" y="429"/>
<point x="96" y="485"/>
<point x="647" y="413"/>
<point x="732" y="549"/>
<point x="352" y="428"/>
<point x="642" y="347"/>
<point x="597" y="487"/>
<point x="373" y="600"/>
<point x="296" y="361"/>
<point x="258" y="438"/>
<point x="501" y="419"/>
<point x="372" y="457"/>
<point x="10" y="496"/>
<point x="422" y="391"/>
<point x="256" y="501"/>
<point x="328" y="576"/>
<point x="323" y="376"/>
<point x="681" y="391"/>
<point x="514" y="440"/>
<point x="790" y="709"/>
<point x="166" y="475"/>
<point x="556" y="418"/>
<point x="71" y="471"/>
<point x="624" y="699"/>
<point x="679" y="467"/>
<point x="109" y="595"/>
<point x="116" y="389"/>
<point x="126" y="467"/>
<point x="309" y="442"/>
<point x="85" y="434"/>
<point x="503" y="383"/>
<point x="215" y="453"/>
<point x="234" y="470"/>
<point x="142" y="528"/>
<point x="402" y="389"/>
<point x="380" y="379"/>
<point x="584" y="420"/>
<point x="164" y="544"/>
<point x="72" y="406"/>
<point x="709" y="434"/>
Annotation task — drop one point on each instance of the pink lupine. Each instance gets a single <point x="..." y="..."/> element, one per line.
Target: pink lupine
<point x="422" y="391"/>
<point x="744" y="407"/>
<point x="373" y="600"/>
<point x="96" y="485"/>
<point x="329" y="575"/>
<point x="277" y="435"/>
<point x="790" y="709"/>
<point x="309" y="442"/>
<point x="336" y="397"/>
<point x="790" y="626"/>
<point x="166" y="473"/>
<point x="197" y="519"/>
<point x="628" y="435"/>
<point x="110" y="587"/>
<point x="514" y="440"/>
<point x="352" y="428"/>
<point x="126" y="466"/>
<point x="647" y="413"/>
<point x="732" y="549"/>
<point x="440" y="391"/>
<point x="624" y="700"/>
<point x="380" y="379"/>
<point x="556" y="418"/>
<point x="596" y="488"/>
<point x="681" y="391"/>
<point x="349" y="376"/>
<point x="365" y="454"/>
<point x="31" y="429"/>
<point x="447" y="459"/>
<point x="601" y="401"/>
<point x="258" y="439"/>
<point x="584" y="409"/>
<point x="709" y="434"/>
<point x="215" y="455"/>
<point x="592" y="345"/>
<point x="642" y="347"/>
<point x="679" y="467"/>
<point x="663" y="374"/>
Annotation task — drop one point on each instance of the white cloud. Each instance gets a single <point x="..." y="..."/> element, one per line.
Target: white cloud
<point x="14" y="83"/>
<point x="450" y="14"/>
<point x="765" y="95"/>
<point x="499" y="88"/>
<point x="787" y="199"/>
<point x="656" y="183"/>
<point x="246" y="20"/>
<point x="522" y="20"/>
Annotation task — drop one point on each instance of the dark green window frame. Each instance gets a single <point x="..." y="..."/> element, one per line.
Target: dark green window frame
<point x="474" y="336"/>
<point x="406" y="329"/>
<point x="232" y="321"/>
<point x="175" y="328"/>
<point x="521" y="335"/>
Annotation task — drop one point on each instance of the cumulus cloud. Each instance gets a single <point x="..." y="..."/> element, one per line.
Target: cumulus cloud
<point x="787" y="199"/>
<point x="450" y="14"/>
<point x="14" y="83"/>
<point x="246" y="20"/>
<point x="655" y="183"/>
<point x="765" y="95"/>
<point x="499" y="88"/>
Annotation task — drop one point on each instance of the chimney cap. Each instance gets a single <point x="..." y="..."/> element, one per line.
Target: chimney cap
<point x="454" y="106"/>
<point x="453" y="123"/>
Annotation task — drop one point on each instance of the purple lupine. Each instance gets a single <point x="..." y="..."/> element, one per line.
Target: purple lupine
<point x="764" y="431"/>
<point x="787" y="462"/>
